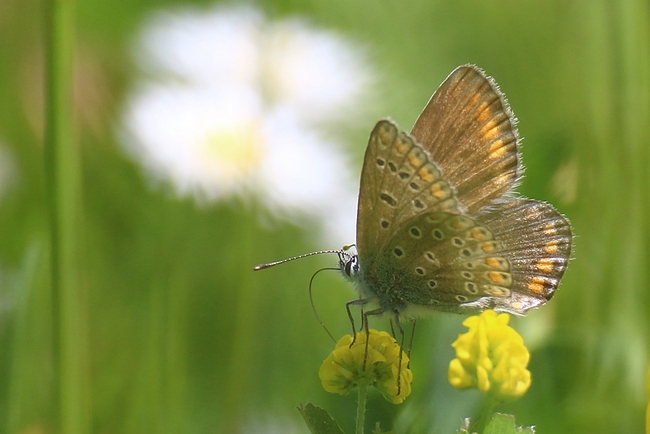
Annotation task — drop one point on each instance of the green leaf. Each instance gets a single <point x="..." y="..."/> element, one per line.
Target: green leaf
<point x="318" y="420"/>
<point x="505" y="424"/>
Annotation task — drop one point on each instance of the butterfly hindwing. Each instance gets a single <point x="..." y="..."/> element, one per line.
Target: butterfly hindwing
<point x="536" y="240"/>
<point x="449" y="262"/>
<point x="509" y="258"/>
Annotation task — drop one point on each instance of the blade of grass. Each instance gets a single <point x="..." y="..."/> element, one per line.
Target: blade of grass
<point x="63" y="187"/>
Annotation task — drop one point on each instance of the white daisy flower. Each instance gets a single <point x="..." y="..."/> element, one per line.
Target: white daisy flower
<point x="232" y="105"/>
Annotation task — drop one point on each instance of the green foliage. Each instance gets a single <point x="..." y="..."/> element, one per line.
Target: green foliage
<point x="179" y="335"/>
<point x="318" y="421"/>
<point x="504" y="424"/>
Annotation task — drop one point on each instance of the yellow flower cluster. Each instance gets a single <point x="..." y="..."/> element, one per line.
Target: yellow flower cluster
<point x="491" y="356"/>
<point x="343" y="368"/>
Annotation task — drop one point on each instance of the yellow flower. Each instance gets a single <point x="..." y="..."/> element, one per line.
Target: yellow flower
<point x="491" y="356"/>
<point x="343" y="368"/>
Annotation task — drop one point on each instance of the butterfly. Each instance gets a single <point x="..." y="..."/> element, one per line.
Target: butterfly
<point x="439" y="225"/>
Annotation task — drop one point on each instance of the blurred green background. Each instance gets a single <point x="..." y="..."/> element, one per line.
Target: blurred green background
<point x="175" y="333"/>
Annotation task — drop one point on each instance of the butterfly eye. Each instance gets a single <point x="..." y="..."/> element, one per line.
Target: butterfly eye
<point x="348" y="268"/>
<point x="351" y="266"/>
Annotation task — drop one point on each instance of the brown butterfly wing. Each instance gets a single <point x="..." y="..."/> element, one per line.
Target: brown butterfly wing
<point x="448" y="262"/>
<point x="536" y="240"/>
<point x="426" y="237"/>
<point x="469" y="130"/>
<point x="510" y="258"/>
<point x="398" y="181"/>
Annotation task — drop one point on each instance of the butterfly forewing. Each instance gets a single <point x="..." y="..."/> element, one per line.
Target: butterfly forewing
<point x="469" y="130"/>
<point x="398" y="181"/>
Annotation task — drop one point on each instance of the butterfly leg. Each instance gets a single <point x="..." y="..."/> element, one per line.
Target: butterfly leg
<point x="392" y="329"/>
<point x="411" y="344"/>
<point x="399" y="329"/>
<point x="401" y="345"/>
<point x="365" y="327"/>
<point x="359" y="302"/>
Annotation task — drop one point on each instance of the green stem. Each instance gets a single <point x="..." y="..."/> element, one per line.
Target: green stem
<point x="361" y="409"/>
<point x="242" y="368"/>
<point x="62" y="181"/>
<point x="486" y="413"/>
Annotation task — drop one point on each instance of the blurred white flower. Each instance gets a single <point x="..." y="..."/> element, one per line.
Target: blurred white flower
<point x="208" y="142"/>
<point x="234" y="104"/>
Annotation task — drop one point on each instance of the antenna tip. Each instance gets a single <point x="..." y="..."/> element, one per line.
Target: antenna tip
<point x="282" y="261"/>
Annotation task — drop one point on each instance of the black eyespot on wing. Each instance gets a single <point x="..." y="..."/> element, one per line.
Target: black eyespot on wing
<point x="388" y="199"/>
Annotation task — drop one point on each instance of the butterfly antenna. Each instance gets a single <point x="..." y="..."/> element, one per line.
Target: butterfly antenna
<point x="313" y="306"/>
<point x="282" y="261"/>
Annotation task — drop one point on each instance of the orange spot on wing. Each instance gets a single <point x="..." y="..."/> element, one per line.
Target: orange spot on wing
<point x="545" y="265"/>
<point x="488" y="247"/>
<point x="479" y="234"/>
<point x="416" y="160"/>
<point x="551" y="247"/>
<point x="497" y="150"/>
<point x="495" y="277"/>
<point x="439" y="190"/>
<point x="549" y="229"/>
<point x="483" y="112"/>
<point x="402" y="145"/>
<point x="490" y="130"/>
<point x="498" y="263"/>
<point x="427" y="174"/>
<point x="536" y="285"/>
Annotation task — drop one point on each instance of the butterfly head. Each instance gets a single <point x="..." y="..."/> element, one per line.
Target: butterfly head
<point x="349" y="262"/>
